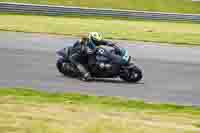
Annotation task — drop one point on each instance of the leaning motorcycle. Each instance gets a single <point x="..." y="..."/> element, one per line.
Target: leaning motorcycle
<point x="102" y="67"/>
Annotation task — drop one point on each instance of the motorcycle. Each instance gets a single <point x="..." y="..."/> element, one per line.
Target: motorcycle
<point x="102" y="65"/>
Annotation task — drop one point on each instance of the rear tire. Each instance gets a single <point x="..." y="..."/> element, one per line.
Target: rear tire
<point x="64" y="68"/>
<point x="59" y="65"/>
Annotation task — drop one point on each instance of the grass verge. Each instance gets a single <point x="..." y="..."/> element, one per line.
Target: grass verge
<point x="139" y="30"/>
<point x="30" y="111"/>
<point x="180" y="6"/>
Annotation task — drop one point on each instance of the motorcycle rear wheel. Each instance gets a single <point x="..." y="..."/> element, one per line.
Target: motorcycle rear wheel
<point x="59" y="65"/>
<point x="64" y="68"/>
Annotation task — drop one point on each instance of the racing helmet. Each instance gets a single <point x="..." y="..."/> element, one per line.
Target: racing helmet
<point x="95" y="37"/>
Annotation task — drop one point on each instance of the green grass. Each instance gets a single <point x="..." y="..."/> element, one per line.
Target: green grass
<point x="31" y="111"/>
<point x="119" y="103"/>
<point x="139" y="30"/>
<point x="180" y="6"/>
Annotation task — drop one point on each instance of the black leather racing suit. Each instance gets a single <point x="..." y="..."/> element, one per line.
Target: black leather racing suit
<point x="79" y="54"/>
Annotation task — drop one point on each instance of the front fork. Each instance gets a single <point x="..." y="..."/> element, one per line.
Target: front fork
<point x="125" y="70"/>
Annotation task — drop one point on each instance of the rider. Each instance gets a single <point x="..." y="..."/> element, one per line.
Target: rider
<point x="85" y="46"/>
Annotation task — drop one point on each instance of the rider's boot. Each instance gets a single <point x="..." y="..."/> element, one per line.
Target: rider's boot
<point x="85" y="75"/>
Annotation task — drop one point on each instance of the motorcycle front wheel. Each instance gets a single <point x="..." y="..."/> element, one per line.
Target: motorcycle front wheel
<point x="132" y="75"/>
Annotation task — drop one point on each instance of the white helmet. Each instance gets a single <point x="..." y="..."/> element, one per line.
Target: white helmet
<point x="95" y="36"/>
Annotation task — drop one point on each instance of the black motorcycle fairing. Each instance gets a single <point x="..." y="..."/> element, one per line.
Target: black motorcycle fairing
<point x="97" y="71"/>
<point x="96" y="66"/>
<point x="109" y="56"/>
<point x="64" y="53"/>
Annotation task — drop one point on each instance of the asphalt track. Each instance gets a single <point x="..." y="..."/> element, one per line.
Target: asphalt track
<point x="171" y="74"/>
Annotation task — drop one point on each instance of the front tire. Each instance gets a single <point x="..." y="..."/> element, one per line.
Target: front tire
<point x="132" y="75"/>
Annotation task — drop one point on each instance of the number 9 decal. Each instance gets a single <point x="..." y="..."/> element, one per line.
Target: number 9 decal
<point x="101" y="51"/>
